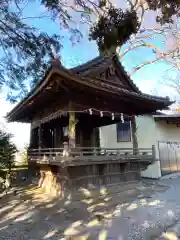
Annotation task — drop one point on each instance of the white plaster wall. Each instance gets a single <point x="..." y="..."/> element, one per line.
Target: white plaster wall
<point x="153" y="171"/>
<point x="171" y="131"/>
<point x="164" y="132"/>
<point x="108" y="138"/>
<point x="149" y="133"/>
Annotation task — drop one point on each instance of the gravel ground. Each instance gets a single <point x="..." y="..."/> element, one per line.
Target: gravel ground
<point x="147" y="212"/>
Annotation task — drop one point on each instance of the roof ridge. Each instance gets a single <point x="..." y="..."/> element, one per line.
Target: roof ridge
<point x="90" y="62"/>
<point x="126" y="74"/>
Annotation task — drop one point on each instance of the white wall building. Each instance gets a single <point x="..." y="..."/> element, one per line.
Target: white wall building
<point x="151" y="130"/>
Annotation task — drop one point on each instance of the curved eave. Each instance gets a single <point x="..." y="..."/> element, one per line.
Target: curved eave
<point x="34" y="92"/>
<point x="29" y="95"/>
<point x="91" y="83"/>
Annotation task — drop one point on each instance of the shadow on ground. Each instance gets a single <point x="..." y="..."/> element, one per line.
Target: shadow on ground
<point x="31" y="214"/>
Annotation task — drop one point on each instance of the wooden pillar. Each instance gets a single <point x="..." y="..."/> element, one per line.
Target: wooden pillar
<point x="95" y="140"/>
<point x="93" y="137"/>
<point x="31" y="137"/>
<point x="52" y="137"/>
<point x="154" y="152"/>
<point x="72" y="127"/>
<point x="134" y="135"/>
<point x="72" y="130"/>
<point x="40" y="136"/>
<point x="55" y="137"/>
<point x="81" y="138"/>
<point x="97" y="137"/>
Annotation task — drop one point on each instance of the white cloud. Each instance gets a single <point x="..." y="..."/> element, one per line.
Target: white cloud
<point x="20" y="131"/>
<point x="147" y="86"/>
<point x="154" y="88"/>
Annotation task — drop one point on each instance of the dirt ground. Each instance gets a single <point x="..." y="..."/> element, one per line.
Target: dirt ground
<point x="130" y="214"/>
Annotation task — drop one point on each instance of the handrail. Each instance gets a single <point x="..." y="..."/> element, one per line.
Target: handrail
<point x="103" y="148"/>
<point x="83" y="153"/>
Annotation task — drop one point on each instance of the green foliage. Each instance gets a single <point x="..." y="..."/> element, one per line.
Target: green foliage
<point x="7" y="150"/>
<point x="114" y="28"/>
<point x="102" y="3"/>
<point x="26" y="52"/>
<point x="167" y="9"/>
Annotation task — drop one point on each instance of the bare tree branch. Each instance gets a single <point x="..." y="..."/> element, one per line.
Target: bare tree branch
<point x="173" y="82"/>
<point x="144" y="64"/>
<point x="161" y="57"/>
<point x="143" y="44"/>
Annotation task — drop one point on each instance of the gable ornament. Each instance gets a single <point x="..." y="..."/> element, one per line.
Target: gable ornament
<point x="111" y="70"/>
<point x="103" y="75"/>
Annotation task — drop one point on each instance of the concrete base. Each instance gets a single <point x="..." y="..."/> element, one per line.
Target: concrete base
<point x="171" y="176"/>
<point x="153" y="171"/>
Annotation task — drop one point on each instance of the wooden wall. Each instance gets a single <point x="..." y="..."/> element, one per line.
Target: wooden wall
<point x="103" y="174"/>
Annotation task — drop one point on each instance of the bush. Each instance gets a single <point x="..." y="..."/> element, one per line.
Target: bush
<point x="7" y="150"/>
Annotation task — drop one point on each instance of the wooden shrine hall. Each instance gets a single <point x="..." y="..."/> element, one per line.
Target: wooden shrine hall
<point x="65" y="111"/>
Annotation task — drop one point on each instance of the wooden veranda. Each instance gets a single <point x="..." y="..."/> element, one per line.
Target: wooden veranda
<point x="67" y="108"/>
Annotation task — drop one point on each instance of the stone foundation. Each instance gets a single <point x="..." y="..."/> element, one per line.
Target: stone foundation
<point x="53" y="179"/>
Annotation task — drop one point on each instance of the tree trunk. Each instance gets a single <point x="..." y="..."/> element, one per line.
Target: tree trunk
<point x="134" y="135"/>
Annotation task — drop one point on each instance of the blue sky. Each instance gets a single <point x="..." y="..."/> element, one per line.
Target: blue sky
<point x="147" y="79"/>
<point x="85" y="50"/>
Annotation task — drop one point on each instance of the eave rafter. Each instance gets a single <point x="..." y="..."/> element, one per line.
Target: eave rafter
<point x="58" y="79"/>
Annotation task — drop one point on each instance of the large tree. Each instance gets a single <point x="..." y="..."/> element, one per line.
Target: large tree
<point x="111" y="25"/>
<point x="26" y="51"/>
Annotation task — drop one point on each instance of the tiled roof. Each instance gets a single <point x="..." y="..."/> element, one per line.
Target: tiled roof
<point x="122" y="90"/>
<point x="100" y="63"/>
<point x="92" y="63"/>
<point x="81" y="76"/>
